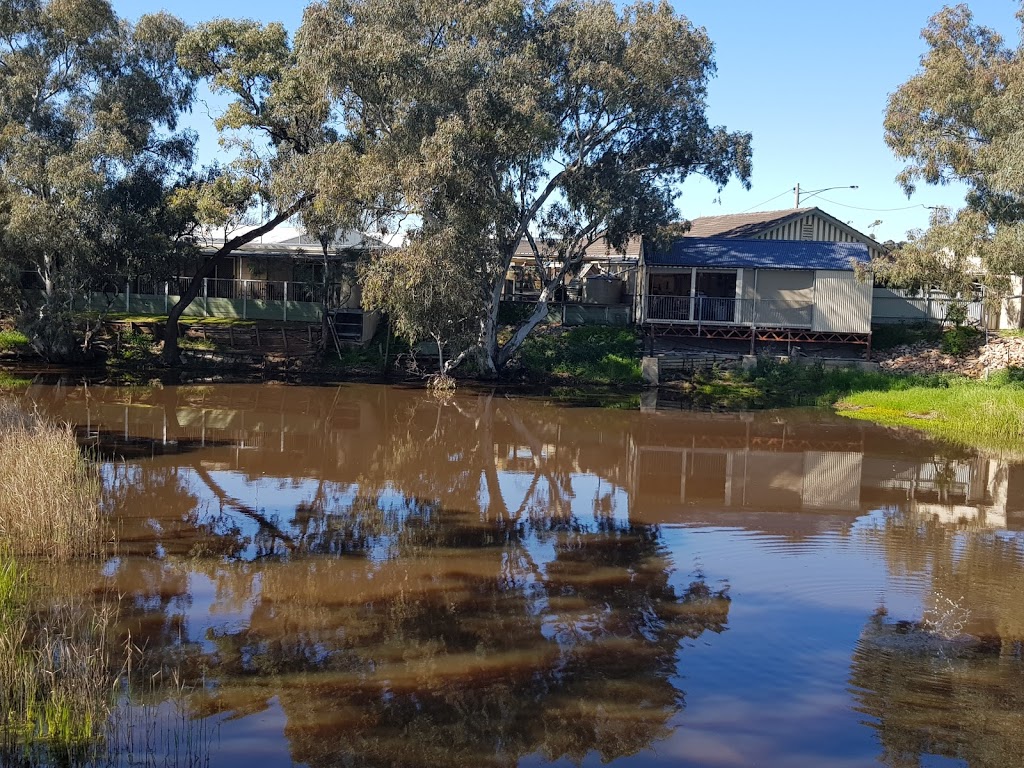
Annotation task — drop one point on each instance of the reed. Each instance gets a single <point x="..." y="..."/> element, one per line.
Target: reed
<point x="56" y="676"/>
<point x="49" y="492"/>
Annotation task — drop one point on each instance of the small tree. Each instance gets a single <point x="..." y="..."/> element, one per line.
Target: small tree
<point x="422" y="288"/>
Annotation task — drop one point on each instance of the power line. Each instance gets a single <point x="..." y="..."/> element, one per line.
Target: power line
<point x="874" y="210"/>
<point x="784" y="192"/>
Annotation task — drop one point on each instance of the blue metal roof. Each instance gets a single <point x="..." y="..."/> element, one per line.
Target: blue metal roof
<point x="729" y="253"/>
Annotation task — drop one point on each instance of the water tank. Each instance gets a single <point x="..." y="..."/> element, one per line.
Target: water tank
<point x="602" y="289"/>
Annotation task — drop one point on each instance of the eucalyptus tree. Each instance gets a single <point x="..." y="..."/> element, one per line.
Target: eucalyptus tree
<point x="960" y="118"/>
<point x="89" y="153"/>
<point x="275" y="131"/>
<point x="492" y="121"/>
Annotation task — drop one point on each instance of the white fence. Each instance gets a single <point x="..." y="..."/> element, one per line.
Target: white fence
<point x="894" y="305"/>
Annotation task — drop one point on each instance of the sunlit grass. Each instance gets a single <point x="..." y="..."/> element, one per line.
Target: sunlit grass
<point x="50" y="500"/>
<point x="984" y="414"/>
<point x="12" y="340"/>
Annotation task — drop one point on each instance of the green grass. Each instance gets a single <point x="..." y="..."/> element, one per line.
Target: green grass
<point x="987" y="414"/>
<point x="9" y="381"/>
<point x="12" y="340"/>
<point x="774" y="384"/>
<point x="583" y="355"/>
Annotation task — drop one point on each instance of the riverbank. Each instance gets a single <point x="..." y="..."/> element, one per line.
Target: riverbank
<point x="978" y="413"/>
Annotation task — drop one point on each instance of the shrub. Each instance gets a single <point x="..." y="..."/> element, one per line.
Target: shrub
<point x="590" y="354"/>
<point x="959" y="340"/>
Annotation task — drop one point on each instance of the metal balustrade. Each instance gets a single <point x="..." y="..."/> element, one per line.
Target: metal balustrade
<point x="729" y="311"/>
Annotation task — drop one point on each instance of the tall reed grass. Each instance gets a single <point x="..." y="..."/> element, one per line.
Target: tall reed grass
<point x="55" y="674"/>
<point x="49" y="492"/>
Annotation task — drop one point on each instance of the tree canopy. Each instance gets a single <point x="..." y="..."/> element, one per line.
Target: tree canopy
<point x="89" y="152"/>
<point x="960" y="118"/>
<point x="487" y="121"/>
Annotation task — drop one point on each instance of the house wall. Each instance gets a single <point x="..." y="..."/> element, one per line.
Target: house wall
<point x="842" y="303"/>
<point x="791" y="286"/>
<point x="1011" y="314"/>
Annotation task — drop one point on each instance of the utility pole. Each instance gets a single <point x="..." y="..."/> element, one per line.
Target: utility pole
<point x="798" y="194"/>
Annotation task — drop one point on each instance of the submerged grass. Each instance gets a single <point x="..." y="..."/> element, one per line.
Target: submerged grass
<point x="56" y="681"/>
<point x="49" y="504"/>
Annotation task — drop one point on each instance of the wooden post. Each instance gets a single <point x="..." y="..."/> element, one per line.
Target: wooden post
<point x="285" y="304"/>
<point x="284" y="337"/>
<point x="256" y="328"/>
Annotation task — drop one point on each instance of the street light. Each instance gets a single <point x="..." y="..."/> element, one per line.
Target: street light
<point x="814" y="192"/>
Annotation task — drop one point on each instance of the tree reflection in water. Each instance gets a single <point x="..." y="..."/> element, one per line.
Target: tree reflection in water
<point x="405" y="612"/>
<point x="960" y="699"/>
<point x="458" y="649"/>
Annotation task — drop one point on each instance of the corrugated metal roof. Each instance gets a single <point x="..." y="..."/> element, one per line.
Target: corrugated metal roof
<point x="731" y="253"/>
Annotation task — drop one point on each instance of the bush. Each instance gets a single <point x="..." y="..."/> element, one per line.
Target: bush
<point x="589" y="354"/>
<point x="959" y="340"/>
<point x="890" y="335"/>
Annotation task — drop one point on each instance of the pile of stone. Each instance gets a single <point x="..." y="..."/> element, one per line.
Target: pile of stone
<point x="925" y="358"/>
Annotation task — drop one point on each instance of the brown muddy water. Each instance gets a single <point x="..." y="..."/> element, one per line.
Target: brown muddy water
<point x="372" y="576"/>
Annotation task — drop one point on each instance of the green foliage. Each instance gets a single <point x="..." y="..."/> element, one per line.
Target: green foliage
<point x="587" y="354"/>
<point x="571" y="121"/>
<point x="12" y="340"/>
<point x="514" y="312"/>
<point x="133" y="347"/>
<point x="960" y="339"/>
<point x="958" y="120"/>
<point x="89" y="153"/>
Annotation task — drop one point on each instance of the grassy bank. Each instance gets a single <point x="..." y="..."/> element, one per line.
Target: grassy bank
<point x="980" y="413"/>
<point x="977" y="413"/>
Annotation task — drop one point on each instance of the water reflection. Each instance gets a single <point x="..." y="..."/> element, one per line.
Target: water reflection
<point x="491" y="578"/>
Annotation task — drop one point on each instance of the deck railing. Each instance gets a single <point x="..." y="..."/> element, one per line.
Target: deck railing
<point x="217" y="297"/>
<point x="729" y="311"/>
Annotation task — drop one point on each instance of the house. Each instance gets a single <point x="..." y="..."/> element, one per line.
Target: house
<point x="284" y="275"/>
<point x="757" y="290"/>
<point x="601" y="261"/>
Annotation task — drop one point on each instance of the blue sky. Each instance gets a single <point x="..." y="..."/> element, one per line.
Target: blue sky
<point x="810" y="80"/>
